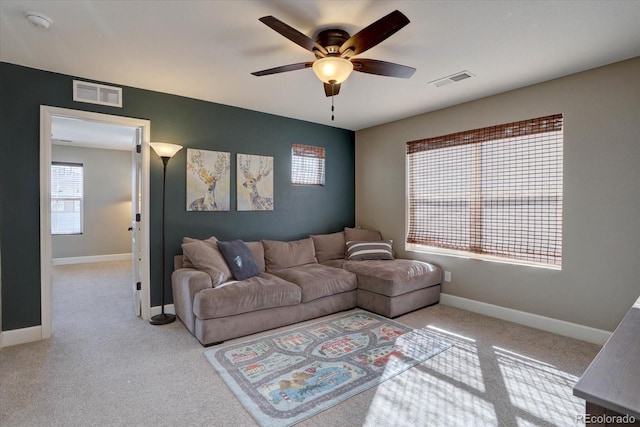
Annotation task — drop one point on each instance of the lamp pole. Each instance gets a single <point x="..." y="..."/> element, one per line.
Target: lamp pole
<point x="165" y="151"/>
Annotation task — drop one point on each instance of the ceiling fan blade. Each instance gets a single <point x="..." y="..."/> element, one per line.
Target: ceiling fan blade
<point x="294" y="35"/>
<point x="283" y="69"/>
<point x="373" y="34"/>
<point x="331" y="91"/>
<point x="382" y="68"/>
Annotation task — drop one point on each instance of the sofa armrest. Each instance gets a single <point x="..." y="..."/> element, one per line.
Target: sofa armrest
<point x="185" y="284"/>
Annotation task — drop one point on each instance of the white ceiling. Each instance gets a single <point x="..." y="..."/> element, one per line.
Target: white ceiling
<point x="207" y="49"/>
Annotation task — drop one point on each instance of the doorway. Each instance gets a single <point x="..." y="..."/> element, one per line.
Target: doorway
<point x="140" y="203"/>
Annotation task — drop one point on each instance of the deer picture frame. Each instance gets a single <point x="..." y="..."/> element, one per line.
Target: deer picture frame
<point x="208" y="180"/>
<point x="254" y="183"/>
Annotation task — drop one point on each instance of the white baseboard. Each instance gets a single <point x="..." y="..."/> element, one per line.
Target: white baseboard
<point x="34" y="333"/>
<point x="560" y="327"/>
<point x="168" y="308"/>
<point x="21" y="336"/>
<point x="92" y="258"/>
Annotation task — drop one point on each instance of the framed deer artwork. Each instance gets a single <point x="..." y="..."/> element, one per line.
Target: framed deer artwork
<point x="208" y="180"/>
<point x="255" y="183"/>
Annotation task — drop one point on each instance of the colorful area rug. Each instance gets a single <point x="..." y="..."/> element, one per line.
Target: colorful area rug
<point x="284" y="378"/>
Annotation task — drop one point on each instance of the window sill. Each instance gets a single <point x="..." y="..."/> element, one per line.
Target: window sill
<point x="412" y="247"/>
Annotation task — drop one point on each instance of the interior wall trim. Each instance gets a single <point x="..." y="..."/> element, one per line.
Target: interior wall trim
<point x="548" y="324"/>
<point x="21" y="336"/>
<point x="156" y="309"/>
<point x="92" y="258"/>
<point x="46" y="116"/>
<point x="34" y="333"/>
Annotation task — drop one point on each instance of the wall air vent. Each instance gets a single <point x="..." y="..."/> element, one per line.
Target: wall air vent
<point x="94" y="93"/>
<point x="454" y="78"/>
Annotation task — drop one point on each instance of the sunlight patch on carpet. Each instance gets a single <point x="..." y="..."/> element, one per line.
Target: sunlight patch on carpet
<point x="477" y="384"/>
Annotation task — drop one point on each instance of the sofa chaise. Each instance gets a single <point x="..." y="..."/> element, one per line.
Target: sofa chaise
<point x="220" y="294"/>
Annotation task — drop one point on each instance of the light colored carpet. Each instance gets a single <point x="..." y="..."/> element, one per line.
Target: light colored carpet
<point x="103" y="366"/>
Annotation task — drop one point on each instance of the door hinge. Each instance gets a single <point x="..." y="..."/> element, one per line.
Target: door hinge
<point x="138" y="218"/>
<point x="138" y="286"/>
<point x="138" y="149"/>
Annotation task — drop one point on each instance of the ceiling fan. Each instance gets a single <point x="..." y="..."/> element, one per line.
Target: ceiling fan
<point x="335" y="48"/>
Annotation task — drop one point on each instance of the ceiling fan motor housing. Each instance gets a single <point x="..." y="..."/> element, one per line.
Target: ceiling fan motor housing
<point x="332" y="40"/>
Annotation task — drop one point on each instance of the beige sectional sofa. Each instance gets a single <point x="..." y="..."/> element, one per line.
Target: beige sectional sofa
<point x="293" y="281"/>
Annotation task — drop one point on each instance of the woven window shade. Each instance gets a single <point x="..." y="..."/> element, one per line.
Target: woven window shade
<point x="307" y="165"/>
<point x="494" y="191"/>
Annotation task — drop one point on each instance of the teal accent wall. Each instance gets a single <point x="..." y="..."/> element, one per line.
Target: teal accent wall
<point x="299" y="211"/>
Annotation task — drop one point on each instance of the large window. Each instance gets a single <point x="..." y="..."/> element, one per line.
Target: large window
<point x="495" y="191"/>
<point x="66" y="198"/>
<point x="307" y="165"/>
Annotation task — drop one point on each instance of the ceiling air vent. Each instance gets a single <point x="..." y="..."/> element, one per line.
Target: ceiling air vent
<point x="97" y="94"/>
<point x="454" y="78"/>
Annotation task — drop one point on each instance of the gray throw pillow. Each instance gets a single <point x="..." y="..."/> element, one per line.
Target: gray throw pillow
<point x="358" y="251"/>
<point x="239" y="259"/>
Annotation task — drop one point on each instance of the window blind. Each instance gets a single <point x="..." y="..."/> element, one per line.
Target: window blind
<point x="495" y="190"/>
<point x="66" y="198"/>
<point x="307" y="165"/>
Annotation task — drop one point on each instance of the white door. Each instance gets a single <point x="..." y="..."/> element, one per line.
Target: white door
<point x="136" y="231"/>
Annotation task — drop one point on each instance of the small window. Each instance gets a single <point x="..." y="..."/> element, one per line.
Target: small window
<point x="495" y="191"/>
<point x="67" y="196"/>
<point x="307" y="165"/>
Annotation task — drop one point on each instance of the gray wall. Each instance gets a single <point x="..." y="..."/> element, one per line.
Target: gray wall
<point x="107" y="202"/>
<point x="600" y="277"/>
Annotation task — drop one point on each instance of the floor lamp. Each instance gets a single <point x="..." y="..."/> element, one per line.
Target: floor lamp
<point x="165" y="151"/>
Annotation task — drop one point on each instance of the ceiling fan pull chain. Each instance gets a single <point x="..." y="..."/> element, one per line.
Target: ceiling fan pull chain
<point x="333" y="82"/>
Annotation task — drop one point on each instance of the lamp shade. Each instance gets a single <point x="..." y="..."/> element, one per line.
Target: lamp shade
<point x="164" y="149"/>
<point x="332" y="69"/>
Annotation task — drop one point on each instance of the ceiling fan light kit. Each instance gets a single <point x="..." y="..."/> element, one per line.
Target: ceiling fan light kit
<point x="332" y="69"/>
<point x="334" y="49"/>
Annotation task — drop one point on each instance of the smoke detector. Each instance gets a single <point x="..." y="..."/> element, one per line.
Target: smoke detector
<point x="38" y="19"/>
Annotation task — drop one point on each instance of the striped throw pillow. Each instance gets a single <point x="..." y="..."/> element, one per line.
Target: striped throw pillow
<point x="358" y="250"/>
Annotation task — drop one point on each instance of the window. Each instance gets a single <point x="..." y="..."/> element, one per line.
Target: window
<point x="307" y="165"/>
<point x="495" y="191"/>
<point x="66" y="198"/>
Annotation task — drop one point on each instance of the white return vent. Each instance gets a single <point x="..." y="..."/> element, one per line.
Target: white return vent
<point x="94" y="93"/>
<point x="454" y="78"/>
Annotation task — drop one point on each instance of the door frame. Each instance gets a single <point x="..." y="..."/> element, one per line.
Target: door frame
<point x="46" y="115"/>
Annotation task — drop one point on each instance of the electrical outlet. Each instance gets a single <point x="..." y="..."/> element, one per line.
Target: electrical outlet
<point x="447" y="276"/>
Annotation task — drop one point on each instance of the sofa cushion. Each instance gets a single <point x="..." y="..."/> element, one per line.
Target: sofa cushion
<point x="257" y="250"/>
<point x="337" y="263"/>
<point x="239" y="259"/>
<point x="257" y="293"/>
<point x="186" y="262"/>
<point x="205" y="256"/>
<point x="351" y="234"/>
<point x="329" y="246"/>
<point x="280" y="255"/>
<point x="359" y="250"/>
<point x="317" y="281"/>
<point x="392" y="278"/>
